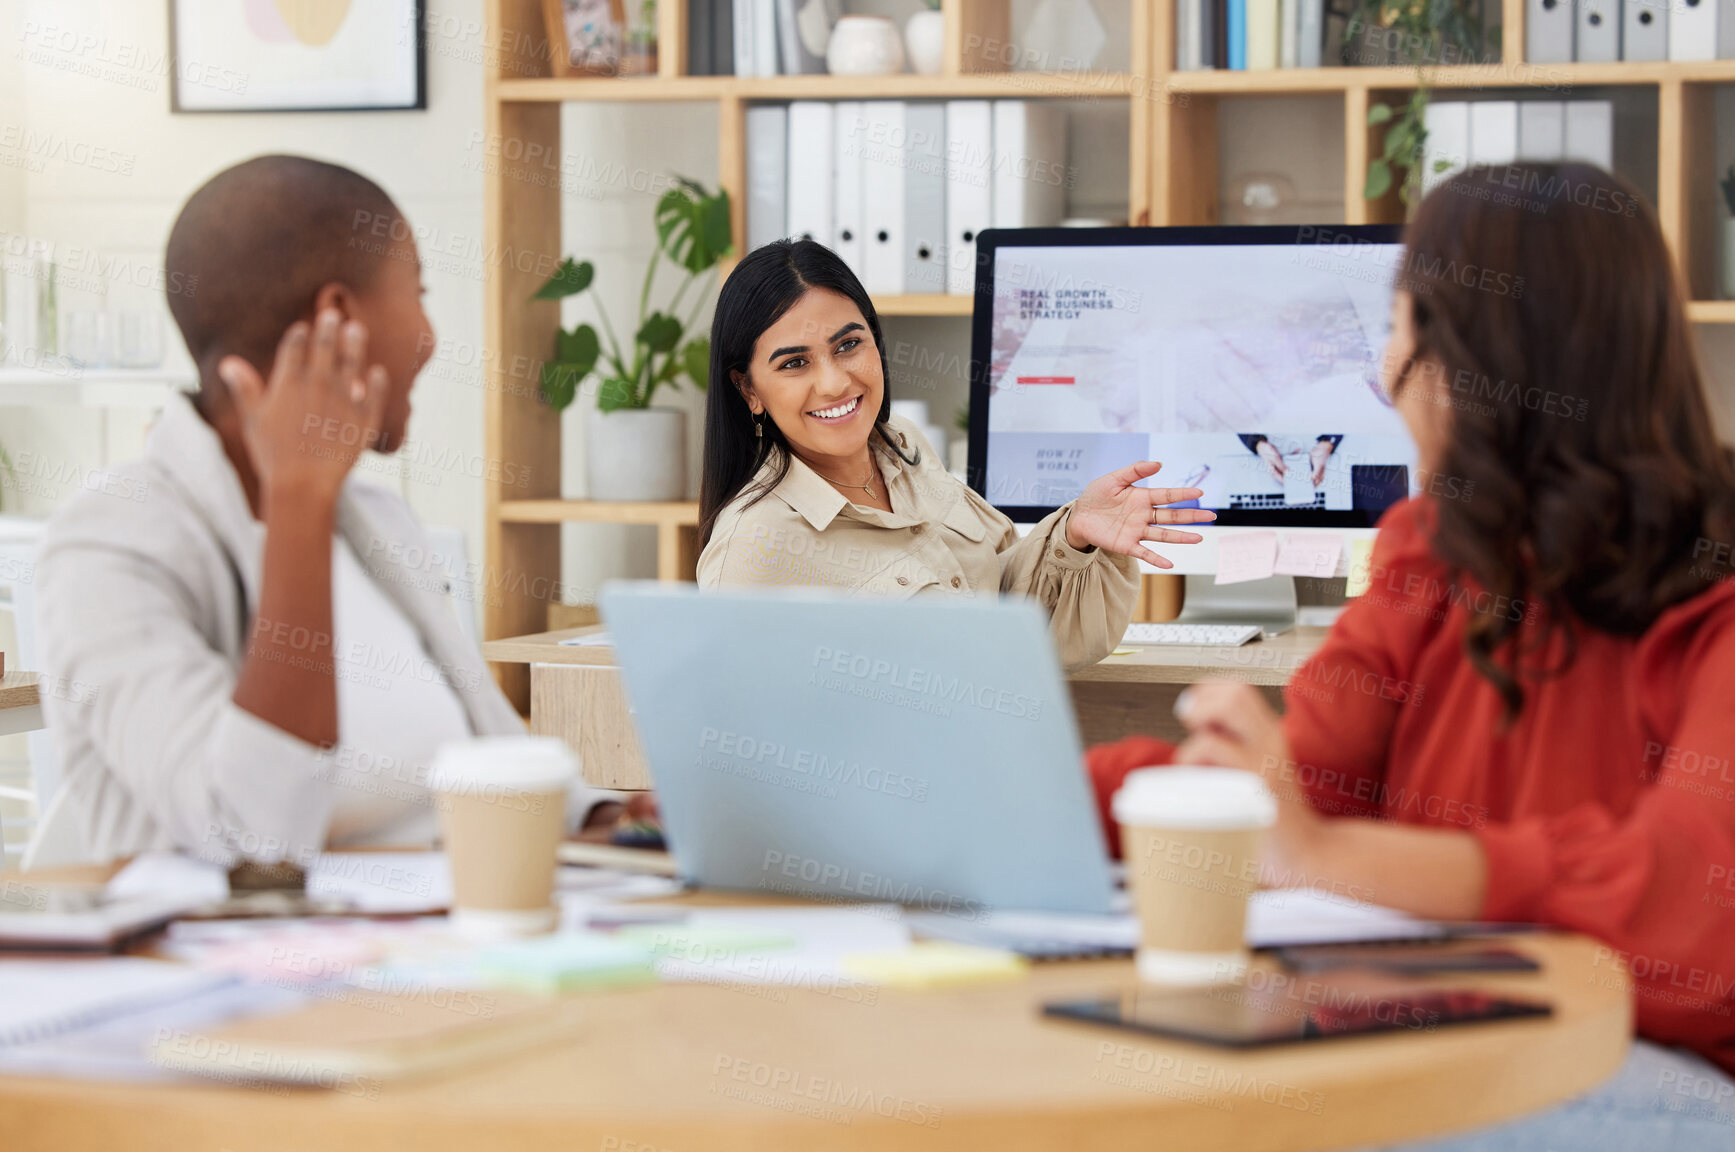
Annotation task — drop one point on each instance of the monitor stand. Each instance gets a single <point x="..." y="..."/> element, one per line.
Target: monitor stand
<point x="1269" y="603"/>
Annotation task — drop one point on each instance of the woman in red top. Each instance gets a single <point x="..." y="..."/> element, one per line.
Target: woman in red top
<point x="1530" y="715"/>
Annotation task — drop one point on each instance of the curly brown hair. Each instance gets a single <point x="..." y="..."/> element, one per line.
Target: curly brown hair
<point x="1547" y="290"/>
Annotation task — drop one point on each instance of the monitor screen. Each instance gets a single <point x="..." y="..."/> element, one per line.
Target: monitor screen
<point x="1247" y="360"/>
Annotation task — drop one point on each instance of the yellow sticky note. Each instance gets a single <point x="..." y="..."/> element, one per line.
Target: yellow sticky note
<point x="1361" y="564"/>
<point x="1123" y="651"/>
<point x="934" y="964"/>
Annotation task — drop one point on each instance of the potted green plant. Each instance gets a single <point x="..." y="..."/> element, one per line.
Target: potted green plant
<point x="1728" y="234"/>
<point x="1422" y="33"/>
<point x="635" y="451"/>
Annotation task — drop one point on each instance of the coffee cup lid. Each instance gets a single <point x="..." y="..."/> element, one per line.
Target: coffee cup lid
<point x="522" y="763"/>
<point x="1189" y="797"/>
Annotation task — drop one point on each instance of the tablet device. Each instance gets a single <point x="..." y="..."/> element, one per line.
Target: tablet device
<point x="1288" y="1011"/>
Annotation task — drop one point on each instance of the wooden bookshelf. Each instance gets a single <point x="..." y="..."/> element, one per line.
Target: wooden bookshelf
<point x="1174" y="179"/>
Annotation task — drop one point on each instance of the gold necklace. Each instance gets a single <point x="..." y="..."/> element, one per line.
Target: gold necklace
<point x="867" y="487"/>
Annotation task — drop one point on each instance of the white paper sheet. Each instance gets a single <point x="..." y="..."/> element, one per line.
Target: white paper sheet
<point x="170" y="876"/>
<point x="593" y="640"/>
<point x="1275" y="917"/>
<point x="384" y="883"/>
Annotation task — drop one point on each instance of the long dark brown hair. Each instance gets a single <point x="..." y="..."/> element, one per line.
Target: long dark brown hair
<point x="1545" y="299"/>
<point x="765" y="285"/>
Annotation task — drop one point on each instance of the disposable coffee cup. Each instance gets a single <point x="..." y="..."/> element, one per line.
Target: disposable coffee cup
<point x="1191" y="839"/>
<point x="502" y="805"/>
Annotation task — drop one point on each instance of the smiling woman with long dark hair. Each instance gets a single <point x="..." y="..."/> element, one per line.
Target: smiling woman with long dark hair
<point x="1530" y="715"/>
<point x="810" y="480"/>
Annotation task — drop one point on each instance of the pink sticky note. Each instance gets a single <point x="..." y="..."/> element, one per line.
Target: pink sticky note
<point x="1308" y="554"/>
<point x="1246" y="556"/>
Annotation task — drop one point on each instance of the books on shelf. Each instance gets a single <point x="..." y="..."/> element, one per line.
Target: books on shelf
<point x="1249" y="34"/>
<point x="900" y="190"/>
<point x="758" y="37"/>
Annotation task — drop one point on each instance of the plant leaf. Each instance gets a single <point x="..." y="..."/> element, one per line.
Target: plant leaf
<point x="560" y="384"/>
<point x="616" y="393"/>
<point x="1379" y="113"/>
<point x="571" y="278"/>
<point x="696" y="361"/>
<point x="659" y="333"/>
<point x="578" y="348"/>
<point x="1379" y="180"/>
<point x="693" y="225"/>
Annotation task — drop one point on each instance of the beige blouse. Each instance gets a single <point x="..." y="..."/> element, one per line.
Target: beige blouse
<point x="939" y="539"/>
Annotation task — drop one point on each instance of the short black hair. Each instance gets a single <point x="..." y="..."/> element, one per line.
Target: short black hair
<point x="253" y="246"/>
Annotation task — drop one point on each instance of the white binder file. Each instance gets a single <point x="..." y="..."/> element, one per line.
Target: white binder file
<point x="847" y="128"/>
<point x="1030" y="172"/>
<point x="1644" y="29"/>
<point x="1310" y="40"/>
<point x="969" y="191"/>
<point x="1188" y="35"/>
<point x="767" y="171"/>
<point x="1598" y="35"/>
<point x="765" y="61"/>
<point x="925" y="197"/>
<point x="810" y="162"/>
<point x="1548" y="31"/>
<point x="1448" y="126"/>
<point x="1590" y="133"/>
<point x="1693" y="29"/>
<point x="1541" y="130"/>
<point x="882" y="193"/>
<point x="1494" y="132"/>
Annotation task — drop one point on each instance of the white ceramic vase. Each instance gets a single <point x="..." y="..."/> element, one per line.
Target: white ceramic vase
<point x="636" y="454"/>
<point x="864" y="46"/>
<point x="925" y="42"/>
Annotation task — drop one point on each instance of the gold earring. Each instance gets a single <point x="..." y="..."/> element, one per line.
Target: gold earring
<point x="758" y="425"/>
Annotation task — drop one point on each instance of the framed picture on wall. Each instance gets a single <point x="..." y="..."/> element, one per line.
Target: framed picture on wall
<point x="586" y="37"/>
<point x="297" y="55"/>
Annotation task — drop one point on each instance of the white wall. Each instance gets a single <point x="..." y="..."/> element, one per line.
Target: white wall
<point x="428" y="161"/>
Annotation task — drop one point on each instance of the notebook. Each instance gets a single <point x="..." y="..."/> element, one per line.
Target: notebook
<point x="342" y="1043"/>
<point x="44" y="998"/>
<point x="41" y="918"/>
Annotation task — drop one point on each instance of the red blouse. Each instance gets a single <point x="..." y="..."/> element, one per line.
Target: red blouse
<point x="1607" y="808"/>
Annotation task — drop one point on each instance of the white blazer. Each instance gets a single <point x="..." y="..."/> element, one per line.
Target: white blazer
<point x="147" y="583"/>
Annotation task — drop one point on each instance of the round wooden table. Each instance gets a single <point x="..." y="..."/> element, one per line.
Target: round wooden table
<point x="697" y="1068"/>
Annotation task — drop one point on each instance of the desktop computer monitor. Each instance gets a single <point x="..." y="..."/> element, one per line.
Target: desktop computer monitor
<point x="1246" y="359"/>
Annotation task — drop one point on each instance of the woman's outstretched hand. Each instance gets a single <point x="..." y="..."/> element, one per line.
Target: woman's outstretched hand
<point x="1114" y="515"/>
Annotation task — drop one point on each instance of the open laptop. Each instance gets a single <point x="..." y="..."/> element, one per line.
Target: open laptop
<point x="919" y="752"/>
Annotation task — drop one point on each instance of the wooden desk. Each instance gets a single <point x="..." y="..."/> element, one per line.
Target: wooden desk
<point x="703" y="1068"/>
<point x="576" y="693"/>
<point x="20" y="703"/>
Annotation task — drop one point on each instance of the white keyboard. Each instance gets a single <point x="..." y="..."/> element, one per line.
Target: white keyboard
<point x="1211" y="635"/>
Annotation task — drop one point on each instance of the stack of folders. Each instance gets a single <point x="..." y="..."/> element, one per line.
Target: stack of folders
<point x="1504" y="131"/>
<point x="899" y="190"/>
<point x="758" y="37"/>
<point x="1559" y="31"/>
<point x="1248" y="34"/>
